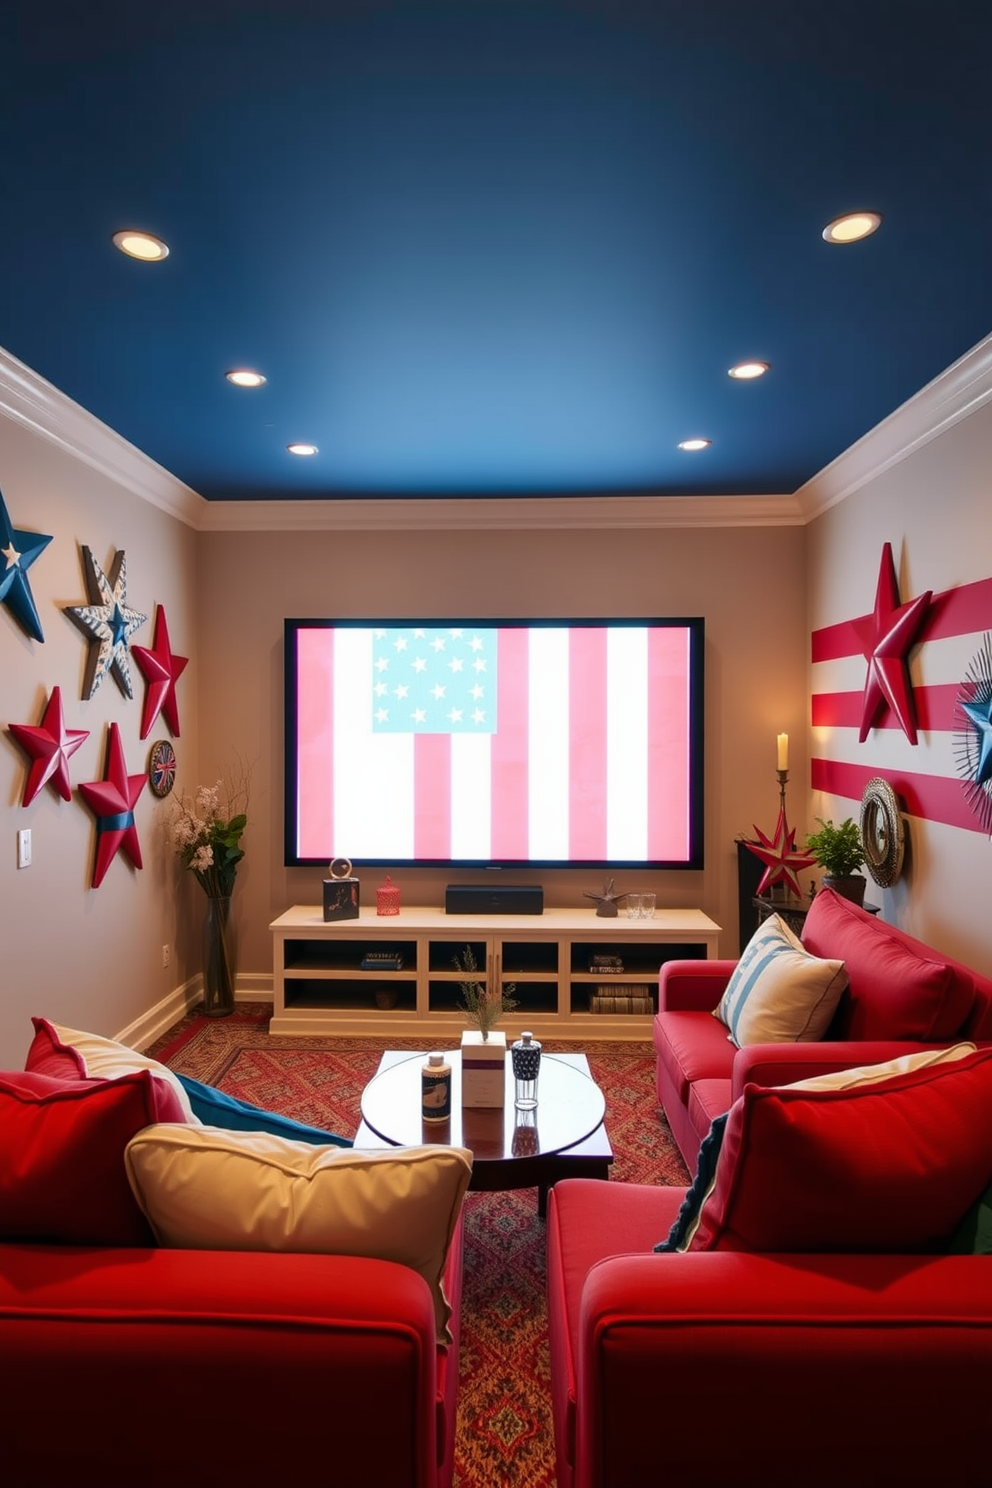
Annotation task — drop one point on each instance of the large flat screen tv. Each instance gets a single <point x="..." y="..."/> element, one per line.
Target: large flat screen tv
<point x="495" y="743"/>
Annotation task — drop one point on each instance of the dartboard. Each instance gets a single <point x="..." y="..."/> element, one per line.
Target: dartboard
<point x="162" y="768"/>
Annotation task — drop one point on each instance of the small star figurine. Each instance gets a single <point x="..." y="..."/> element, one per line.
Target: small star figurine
<point x="112" y="801"/>
<point x="161" y="669"/>
<point x="50" y="746"/>
<point x="606" y="902"/>
<point x="109" y="623"/>
<point x="18" y="550"/>
<point x="783" y="863"/>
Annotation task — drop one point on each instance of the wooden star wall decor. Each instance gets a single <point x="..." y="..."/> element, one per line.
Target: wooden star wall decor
<point x="886" y="639"/>
<point x="109" y="623"/>
<point x="783" y="863"/>
<point x="112" y="801"/>
<point x="50" y="746"/>
<point x="18" y="550"/>
<point x="161" y="669"/>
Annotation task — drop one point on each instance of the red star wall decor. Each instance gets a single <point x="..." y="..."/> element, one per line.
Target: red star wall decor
<point x="112" y="801"/>
<point x="886" y="638"/>
<point x="50" y="746"/>
<point x="161" y="669"/>
<point x="783" y="863"/>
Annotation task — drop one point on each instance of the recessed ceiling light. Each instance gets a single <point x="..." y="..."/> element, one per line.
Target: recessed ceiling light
<point x="852" y="227"/>
<point x="695" y="444"/>
<point x="141" y="245"/>
<point x="744" y="371"/>
<point x="241" y="377"/>
<point x="302" y="449"/>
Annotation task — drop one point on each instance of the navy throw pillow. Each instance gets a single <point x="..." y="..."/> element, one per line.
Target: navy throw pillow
<point x="685" y="1220"/>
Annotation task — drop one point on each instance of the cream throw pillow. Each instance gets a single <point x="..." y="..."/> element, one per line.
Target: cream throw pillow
<point x="871" y="1074"/>
<point x="202" y="1188"/>
<point x="106" y="1059"/>
<point x="779" y="993"/>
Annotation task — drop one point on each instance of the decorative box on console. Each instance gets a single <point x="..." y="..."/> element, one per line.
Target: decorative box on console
<point x="341" y="898"/>
<point x="483" y="1068"/>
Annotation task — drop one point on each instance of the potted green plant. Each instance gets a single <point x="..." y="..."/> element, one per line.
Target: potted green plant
<point x="840" y="853"/>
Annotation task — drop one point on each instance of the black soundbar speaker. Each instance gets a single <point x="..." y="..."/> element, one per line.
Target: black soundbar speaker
<point x="483" y="899"/>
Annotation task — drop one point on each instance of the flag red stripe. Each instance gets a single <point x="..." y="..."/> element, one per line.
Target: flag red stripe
<point x="935" y="709"/>
<point x="432" y="795"/>
<point x="954" y="612"/>
<point x="668" y="743"/>
<point x="314" y="732"/>
<point x="931" y="797"/>
<point x="509" y="748"/>
<point x="587" y="743"/>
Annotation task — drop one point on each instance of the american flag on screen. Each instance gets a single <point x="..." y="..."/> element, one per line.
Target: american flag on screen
<point x="570" y="744"/>
<point x="433" y="681"/>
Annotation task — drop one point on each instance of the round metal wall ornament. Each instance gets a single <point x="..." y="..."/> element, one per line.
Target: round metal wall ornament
<point x="161" y="768"/>
<point x="883" y="832"/>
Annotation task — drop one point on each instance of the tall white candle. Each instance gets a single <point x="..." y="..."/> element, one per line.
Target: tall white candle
<point x="783" y="752"/>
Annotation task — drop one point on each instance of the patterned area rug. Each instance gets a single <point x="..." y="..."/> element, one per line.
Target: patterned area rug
<point x="505" y="1437"/>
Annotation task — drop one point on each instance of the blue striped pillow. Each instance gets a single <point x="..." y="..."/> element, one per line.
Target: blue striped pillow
<point x="779" y="993"/>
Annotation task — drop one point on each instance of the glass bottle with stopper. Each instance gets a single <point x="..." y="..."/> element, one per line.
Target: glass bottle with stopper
<point x="526" y="1057"/>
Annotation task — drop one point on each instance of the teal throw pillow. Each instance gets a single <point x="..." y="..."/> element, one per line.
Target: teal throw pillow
<point x="214" y="1108"/>
<point x="973" y="1235"/>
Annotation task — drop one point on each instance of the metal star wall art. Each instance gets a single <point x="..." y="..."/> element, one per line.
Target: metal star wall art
<point x="108" y="621"/>
<point x="783" y="863"/>
<point x="112" y="801"/>
<point x="18" y="550"/>
<point x="161" y="669"/>
<point x="973" y="736"/>
<point x="50" y="745"/>
<point x="886" y="639"/>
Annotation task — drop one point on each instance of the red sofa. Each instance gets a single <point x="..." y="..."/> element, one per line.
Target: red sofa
<point x="902" y="996"/>
<point x="169" y="1366"/>
<point x="198" y="1359"/>
<point x="725" y="1367"/>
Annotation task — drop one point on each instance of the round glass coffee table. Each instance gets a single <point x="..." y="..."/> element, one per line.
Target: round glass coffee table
<point x="563" y="1137"/>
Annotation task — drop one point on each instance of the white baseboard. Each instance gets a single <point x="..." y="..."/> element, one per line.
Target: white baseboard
<point x="251" y="987"/>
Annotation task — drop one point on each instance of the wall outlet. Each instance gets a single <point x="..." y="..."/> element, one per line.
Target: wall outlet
<point x="24" y="848"/>
<point x="166" y="957"/>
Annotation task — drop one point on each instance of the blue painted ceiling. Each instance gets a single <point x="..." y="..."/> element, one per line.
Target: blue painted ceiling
<point x="494" y="246"/>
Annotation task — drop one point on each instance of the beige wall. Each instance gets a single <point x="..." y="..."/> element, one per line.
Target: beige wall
<point x="934" y="508"/>
<point x="748" y="583"/>
<point x="90" y="958"/>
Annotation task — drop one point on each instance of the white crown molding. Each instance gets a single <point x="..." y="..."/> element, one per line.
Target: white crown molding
<point x="29" y="400"/>
<point x="959" y="391"/>
<point x="494" y="514"/>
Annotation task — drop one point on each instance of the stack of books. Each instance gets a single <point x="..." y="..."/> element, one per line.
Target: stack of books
<point x="622" y="997"/>
<point x="384" y="960"/>
<point x="606" y="965"/>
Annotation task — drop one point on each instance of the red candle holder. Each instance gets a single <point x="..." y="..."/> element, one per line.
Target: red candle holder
<point x="387" y="899"/>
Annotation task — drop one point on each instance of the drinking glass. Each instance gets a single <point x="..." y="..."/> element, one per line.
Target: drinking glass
<point x="647" y="906"/>
<point x="634" y="909"/>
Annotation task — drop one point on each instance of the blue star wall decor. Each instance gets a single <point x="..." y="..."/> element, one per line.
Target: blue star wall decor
<point x="18" y="550"/>
<point x="973" y="734"/>
<point x="108" y="622"/>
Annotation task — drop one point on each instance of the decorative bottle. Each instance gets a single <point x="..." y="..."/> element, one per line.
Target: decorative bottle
<point x="435" y="1101"/>
<point x="526" y="1056"/>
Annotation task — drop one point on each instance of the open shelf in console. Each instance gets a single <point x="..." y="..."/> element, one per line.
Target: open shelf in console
<point x="320" y="985"/>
